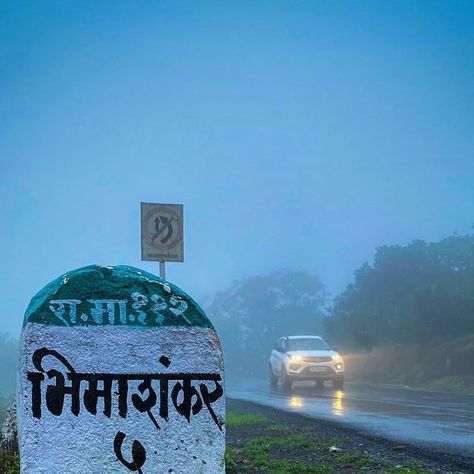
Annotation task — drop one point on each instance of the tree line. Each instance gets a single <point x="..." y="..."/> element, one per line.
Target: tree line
<point x="419" y="292"/>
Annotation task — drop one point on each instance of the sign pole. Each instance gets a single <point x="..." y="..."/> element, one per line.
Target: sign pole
<point x="162" y="234"/>
<point x="162" y="269"/>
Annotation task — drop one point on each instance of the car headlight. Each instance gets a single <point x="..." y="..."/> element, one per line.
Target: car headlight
<point x="296" y="358"/>
<point x="337" y="358"/>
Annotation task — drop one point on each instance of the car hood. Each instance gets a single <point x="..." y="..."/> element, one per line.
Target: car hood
<point x="323" y="353"/>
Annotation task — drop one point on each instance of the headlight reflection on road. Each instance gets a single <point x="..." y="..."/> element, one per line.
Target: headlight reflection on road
<point x="338" y="403"/>
<point x="296" y="402"/>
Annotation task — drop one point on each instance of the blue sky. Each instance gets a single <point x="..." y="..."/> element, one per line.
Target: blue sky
<point x="296" y="134"/>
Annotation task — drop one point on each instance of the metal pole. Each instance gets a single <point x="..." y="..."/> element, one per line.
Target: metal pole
<point x="162" y="270"/>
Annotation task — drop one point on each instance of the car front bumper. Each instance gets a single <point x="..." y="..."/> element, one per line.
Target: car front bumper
<point x="315" y="372"/>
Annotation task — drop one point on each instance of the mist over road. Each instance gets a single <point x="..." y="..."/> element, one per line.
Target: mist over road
<point x="432" y="419"/>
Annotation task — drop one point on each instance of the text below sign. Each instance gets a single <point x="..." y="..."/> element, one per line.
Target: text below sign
<point x="119" y="372"/>
<point x="162" y="232"/>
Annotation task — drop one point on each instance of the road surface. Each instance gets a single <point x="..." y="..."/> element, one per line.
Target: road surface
<point x="436" y="420"/>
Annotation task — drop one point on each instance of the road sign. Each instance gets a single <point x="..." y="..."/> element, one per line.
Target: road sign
<point x="162" y="232"/>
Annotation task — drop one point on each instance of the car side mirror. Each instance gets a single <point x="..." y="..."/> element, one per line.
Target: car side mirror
<point x="335" y="348"/>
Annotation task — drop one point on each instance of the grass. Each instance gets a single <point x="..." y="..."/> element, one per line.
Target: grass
<point x="279" y="450"/>
<point x="443" y="365"/>
<point x="294" y="441"/>
<point x="258" y="452"/>
<point x="258" y="458"/>
<point x="454" y="383"/>
<point x="277" y="427"/>
<point x="5" y="402"/>
<point x="282" y="466"/>
<point x="354" y="460"/>
<point x="9" y="463"/>
<point x="263" y="454"/>
<point x="414" y="467"/>
<point x="407" y="470"/>
<point x="229" y="458"/>
<point x="234" y="419"/>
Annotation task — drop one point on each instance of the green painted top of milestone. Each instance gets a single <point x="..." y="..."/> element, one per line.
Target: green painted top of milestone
<point x="113" y="296"/>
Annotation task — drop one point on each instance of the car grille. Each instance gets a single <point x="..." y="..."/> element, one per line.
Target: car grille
<point x="317" y="359"/>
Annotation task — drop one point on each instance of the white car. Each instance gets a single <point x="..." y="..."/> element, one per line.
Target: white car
<point x="304" y="358"/>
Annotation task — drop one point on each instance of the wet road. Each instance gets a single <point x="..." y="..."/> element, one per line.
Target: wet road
<point x="437" y="420"/>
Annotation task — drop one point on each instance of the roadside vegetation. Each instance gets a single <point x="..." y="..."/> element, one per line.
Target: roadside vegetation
<point x="441" y="366"/>
<point x="255" y="446"/>
<point x="8" y="361"/>
<point x="5" y="402"/>
<point x="9" y="463"/>
<point x="407" y="318"/>
<point x="9" y="459"/>
<point x="234" y="419"/>
<point x="260" y="444"/>
<point x="417" y="293"/>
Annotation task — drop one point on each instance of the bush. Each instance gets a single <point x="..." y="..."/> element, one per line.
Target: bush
<point x="9" y="463"/>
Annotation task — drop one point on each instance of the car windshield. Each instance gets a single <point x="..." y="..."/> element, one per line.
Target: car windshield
<point x="307" y="344"/>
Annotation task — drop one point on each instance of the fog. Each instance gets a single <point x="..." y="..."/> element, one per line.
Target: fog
<point x="299" y="136"/>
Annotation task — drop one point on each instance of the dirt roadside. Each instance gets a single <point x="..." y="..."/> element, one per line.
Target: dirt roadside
<point x="266" y="440"/>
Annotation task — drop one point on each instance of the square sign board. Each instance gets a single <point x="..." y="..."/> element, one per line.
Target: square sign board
<point x="162" y="232"/>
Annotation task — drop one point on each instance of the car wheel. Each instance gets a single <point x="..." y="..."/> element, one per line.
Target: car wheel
<point x="272" y="378"/>
<point x="285" y="380"/>
<point x="338" y="383"/>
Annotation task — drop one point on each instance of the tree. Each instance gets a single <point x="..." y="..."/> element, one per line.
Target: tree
<point x="410" y="293"/>
<point x="8" y="362"/>
<point x="255" y="311"/>
<point x="8" y="432"/>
